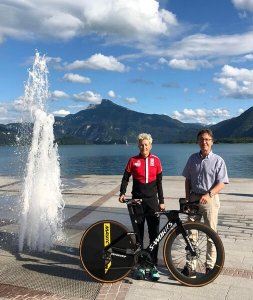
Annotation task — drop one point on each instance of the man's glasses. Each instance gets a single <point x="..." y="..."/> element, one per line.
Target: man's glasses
<point x="205" y="140"/>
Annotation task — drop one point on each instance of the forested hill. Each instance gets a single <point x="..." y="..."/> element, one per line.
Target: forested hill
<point x="109" y="123"/>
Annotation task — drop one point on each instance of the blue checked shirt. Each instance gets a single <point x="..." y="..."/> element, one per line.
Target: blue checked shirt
<point x="205" y="172"/>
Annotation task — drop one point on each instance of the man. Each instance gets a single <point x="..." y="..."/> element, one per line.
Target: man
<point x="205" y="176"/>
<point x="146" y="170"/>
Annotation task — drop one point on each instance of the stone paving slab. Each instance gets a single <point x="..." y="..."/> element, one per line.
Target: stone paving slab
<point x="92" y="198"/>
<point x="57" y="272"/>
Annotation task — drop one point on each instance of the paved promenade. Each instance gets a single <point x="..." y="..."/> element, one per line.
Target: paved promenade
<point x="58" y="274"/>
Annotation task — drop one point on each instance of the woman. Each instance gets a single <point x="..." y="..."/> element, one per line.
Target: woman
<point x="146" y="170"/>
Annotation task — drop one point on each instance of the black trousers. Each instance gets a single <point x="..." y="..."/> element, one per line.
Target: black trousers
<point x="150" y="206"/>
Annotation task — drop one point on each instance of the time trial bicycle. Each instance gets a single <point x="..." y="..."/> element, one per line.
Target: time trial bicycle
<point x="109" y="251"/>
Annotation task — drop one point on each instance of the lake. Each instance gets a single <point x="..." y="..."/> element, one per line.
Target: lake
<point x="111" y="159"/>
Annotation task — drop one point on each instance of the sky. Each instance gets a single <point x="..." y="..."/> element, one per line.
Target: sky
<point x="189" y="59"/>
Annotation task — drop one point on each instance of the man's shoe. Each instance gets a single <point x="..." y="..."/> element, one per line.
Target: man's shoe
<point x="188" y="272"/>
<point x="154" y="274"/>
<point x="140" y="273"/>
<point x="208" y="270"/>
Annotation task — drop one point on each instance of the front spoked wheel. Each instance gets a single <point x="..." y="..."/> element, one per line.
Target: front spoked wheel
<point x="205" y="242"/>
<point x="107" y="251"/>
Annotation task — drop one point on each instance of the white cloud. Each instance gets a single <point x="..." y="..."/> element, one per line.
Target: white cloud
<point x="243" y="4"/>
<point x="244" y="58"/>
<point x="136" y="22"/>
<point x="188" y="64"/>
<point x="61" y="113"/>
<point x="76" y="78"/>
<point x="3" y="110"/>
<point x="115" y="19"/>
<point x="129" y="20"/>
<point x="29" y="22"/>
<point x="201" y="115"/>
<point x="130" y="100"/>
<point x="98" y="61"/>
<point x="4" y="116"/>
<point x="18" y="104"/>
<point x="163" y="61"/>
<point x="202" y="46"/>
<point x="248" y="57"/>
<point x="52" y="62"/>
<point x="184" y="64"/>
<point x="235" y="82"/>
<point x="59" y="94"/>
<point x="88" y="96"/>
<point x="13" y="111"/>
<point x="112" y="94"/>
<point x="5" y="120"/>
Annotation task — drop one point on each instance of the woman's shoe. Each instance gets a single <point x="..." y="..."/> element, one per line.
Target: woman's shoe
<point x="140" y="273"/>
<point x="154" y="274"/>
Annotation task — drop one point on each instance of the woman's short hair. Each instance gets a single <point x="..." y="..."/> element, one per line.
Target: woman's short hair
<point x="145" y="136"/>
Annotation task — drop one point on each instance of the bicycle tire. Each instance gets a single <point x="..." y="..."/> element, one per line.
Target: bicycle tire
<point x="106" y="268"/>
<point x="174" y="253"/>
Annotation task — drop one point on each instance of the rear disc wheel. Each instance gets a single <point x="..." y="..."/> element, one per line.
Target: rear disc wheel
<point x="110" y="265"/>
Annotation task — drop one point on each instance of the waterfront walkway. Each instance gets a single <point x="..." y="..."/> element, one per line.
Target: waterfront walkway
<point x="58" y="274"/>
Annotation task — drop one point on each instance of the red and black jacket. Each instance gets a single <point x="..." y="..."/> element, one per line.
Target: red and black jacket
<point x="147" y="177"/>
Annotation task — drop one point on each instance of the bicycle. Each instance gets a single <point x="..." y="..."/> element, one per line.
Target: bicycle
<point x="109" y="251"/>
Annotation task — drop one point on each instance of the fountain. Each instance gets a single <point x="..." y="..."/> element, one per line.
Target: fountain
<point x="41" y="198"/>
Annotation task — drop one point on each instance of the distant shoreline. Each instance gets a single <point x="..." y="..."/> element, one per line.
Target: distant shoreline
<point x="228" y="141"/>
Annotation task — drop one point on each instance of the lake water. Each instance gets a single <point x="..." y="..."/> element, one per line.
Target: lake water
<point x="111" y="159"/>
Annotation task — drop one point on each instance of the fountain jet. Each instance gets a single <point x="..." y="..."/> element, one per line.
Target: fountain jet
<point x="41" y="198"/>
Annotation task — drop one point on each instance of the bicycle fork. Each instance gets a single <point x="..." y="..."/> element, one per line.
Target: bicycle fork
<point x="186" y="237"/>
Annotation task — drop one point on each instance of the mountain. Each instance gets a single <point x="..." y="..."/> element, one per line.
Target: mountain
<point x="15" y="133"/>
<point x="240" y="127"/>
<point x="7" y="136"/>
<point x="109" y="123"/>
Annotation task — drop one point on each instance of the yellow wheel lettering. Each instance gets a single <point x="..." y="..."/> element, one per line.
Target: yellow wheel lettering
<point x="107" y="241"/>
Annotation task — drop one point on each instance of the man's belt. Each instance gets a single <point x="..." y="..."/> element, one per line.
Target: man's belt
<point x="199" y="194"/>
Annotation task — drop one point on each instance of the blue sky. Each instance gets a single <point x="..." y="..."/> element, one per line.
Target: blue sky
<point x="189" y="59"/>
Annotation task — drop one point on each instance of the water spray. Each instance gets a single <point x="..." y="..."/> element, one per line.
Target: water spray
<point x="42" y="201"/>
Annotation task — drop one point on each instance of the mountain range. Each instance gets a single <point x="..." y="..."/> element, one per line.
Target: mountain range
<point x="109" y="123"/>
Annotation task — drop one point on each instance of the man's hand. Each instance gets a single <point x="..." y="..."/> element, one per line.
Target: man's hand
<point x="204" y="199"/>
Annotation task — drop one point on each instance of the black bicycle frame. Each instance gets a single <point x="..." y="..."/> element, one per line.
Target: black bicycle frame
<point x="173" y="218"/>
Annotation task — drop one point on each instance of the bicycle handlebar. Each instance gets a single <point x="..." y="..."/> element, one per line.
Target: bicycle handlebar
<point x="186" y="207"/>
<point x="132" y="201"/>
